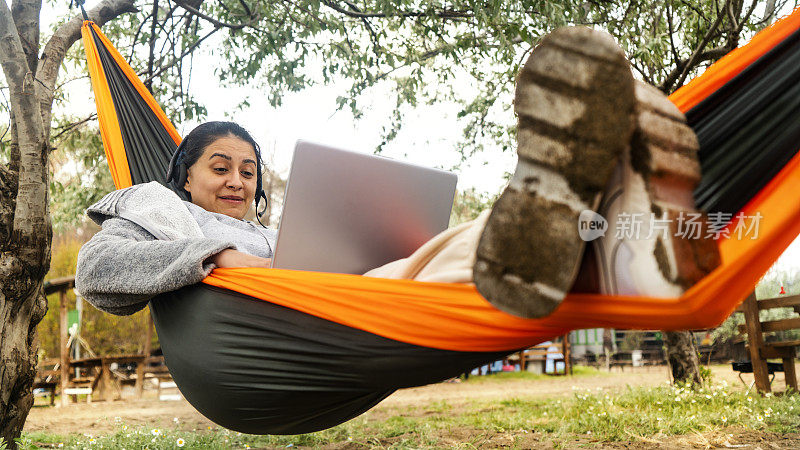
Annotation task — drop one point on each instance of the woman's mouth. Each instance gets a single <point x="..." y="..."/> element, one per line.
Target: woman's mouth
<point x="232" y="199"/>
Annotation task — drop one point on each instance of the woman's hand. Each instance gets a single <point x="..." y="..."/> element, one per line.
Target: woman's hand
<point x="234" y="258"/>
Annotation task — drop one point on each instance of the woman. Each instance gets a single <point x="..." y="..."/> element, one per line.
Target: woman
<point x="153" y="242"/>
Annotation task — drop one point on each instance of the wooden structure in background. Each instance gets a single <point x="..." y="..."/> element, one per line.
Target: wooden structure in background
<point x="97" y="377"/>
<point x="761" y="349"/>
<point x="541" y="353"/>
<point x="62" y="285"/>
<point x="47" y="376"/>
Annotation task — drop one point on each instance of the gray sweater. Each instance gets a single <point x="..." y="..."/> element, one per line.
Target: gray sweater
<point x="153" y="242"/>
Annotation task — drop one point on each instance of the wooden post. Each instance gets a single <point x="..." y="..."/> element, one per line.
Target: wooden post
<point x="148" y="337"/>
<point x="755" y="340"/>
<point x="148" y="334"/>
<point x="64" y="354"/>
<point x="567" y="355"/>
<point x="789" y="373"/>
<point x="105" y="380"/>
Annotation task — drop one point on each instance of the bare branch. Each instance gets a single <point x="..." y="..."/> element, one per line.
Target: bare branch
<point x="175" y="60"/>
<point x="694" y="7"/>
<point x="246" y="8"/>
<point x="71" y="126"/>
<point x="215" y="22"/>
<point x="708" y="55"/>
<point x="356" y="13"/>
<point x="151" y="57"/>
<point x="137" y="33"/>
<point x="671" y="33"/>
<point x="684" y="67"/>
<point x="769" y="12"/>
<point x="746" y="18"/>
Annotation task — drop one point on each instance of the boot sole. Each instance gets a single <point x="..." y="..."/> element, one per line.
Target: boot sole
<point x="575" y="107"/>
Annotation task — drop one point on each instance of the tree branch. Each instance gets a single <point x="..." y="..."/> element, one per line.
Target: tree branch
<point x="708" y="55"/>
<point x="671" y="33"/>
<point x="71" y="126"/>
<point x="357" y="14"/>
<point x="178" y="58"/>
<point x="154" y="14"/>
<point x="26" y="19"/>
<point x="683" y="67"/>
<point x="246" y="8"/>
<point x="56" y="48"/>
<point x="215" y="22"/>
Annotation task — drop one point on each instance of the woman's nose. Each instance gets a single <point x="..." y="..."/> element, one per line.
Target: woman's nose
<point x="235" y="181"/>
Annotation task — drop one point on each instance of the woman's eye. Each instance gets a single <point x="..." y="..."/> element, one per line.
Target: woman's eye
<point x="220" y="169"/>
<point x="247" y="174"/>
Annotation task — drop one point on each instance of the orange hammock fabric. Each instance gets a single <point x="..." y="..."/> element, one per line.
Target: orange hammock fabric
<point x="456" y="317"/>
<point x="107" y="114"/>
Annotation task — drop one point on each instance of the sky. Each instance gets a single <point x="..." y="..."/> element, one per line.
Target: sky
<point x="429" y="136"/>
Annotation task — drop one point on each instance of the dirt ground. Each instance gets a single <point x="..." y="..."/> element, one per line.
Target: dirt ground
<point x="104" y="417"/>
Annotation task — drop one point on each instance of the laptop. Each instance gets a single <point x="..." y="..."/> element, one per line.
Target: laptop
<point x="349" y="212"/>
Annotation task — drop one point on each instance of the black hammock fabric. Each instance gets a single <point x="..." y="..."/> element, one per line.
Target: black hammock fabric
<point x="758" y="109"/>
<point x="257" y="367"/>
<point x="260" y="368"/>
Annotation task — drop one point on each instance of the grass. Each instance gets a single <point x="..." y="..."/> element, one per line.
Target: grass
<point x="633" y="414"/>
<point x="577" y="371"/>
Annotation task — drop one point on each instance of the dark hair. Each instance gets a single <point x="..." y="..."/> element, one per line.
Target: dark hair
<point x="194" y="144"/>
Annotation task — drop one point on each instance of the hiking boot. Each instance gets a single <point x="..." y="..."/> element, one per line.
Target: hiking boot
<point x="657" y="244"/>
<point x="576" y="107"/>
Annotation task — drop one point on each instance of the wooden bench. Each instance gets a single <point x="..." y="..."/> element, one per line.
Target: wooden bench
<point x="762" y="349"/>
<point x="155" y="369"/>
<point x="48" y="377"/>
<point x="621" y="360"/>
<point x="49" y="387"/>
<point x="541" y="353"/>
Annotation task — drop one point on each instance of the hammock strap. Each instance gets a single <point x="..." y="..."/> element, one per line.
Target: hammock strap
<point x="79" y="3"/>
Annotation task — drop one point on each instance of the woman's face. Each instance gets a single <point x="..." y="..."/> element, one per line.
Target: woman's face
<point x="223" y="180"/>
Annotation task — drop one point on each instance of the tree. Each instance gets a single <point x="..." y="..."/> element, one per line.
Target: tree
<point x="285" y="47"/>
<point x="25" y="230"/>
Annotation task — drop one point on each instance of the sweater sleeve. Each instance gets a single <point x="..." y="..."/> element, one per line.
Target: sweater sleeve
<point x="123" y="266"/>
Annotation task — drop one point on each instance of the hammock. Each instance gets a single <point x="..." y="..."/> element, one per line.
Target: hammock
<point x="285" y="352"/>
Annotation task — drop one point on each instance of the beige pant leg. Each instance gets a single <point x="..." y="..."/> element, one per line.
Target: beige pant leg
<point x="447" y="258"/>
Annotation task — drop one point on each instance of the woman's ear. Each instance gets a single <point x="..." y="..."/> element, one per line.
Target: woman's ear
<point x="186" y="186"/>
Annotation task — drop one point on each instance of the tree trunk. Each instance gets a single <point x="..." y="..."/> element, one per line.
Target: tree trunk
<point x="682" y="356"/>
<point x="608" y="347"/>
<point x="25" y="231"/>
